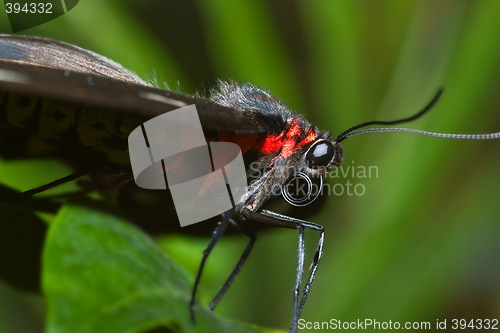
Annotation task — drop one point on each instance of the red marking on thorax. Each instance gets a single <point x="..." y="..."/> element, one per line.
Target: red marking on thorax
<point x="286" y="142"/>
<point x="290" y="140"/>
<point x="310" y="137"/>
<point x="271" y="144"/>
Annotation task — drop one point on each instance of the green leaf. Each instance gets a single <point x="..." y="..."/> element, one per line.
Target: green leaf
<point x="103" y="275"/>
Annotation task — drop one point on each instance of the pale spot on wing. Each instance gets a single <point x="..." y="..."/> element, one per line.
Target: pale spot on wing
<point x="13" y="76"/>
<point x="162" y="99"/>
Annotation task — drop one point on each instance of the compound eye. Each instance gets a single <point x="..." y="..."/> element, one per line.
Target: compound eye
<point x="320" y="154"/>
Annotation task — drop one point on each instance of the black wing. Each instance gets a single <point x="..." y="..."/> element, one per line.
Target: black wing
<point x="60" y="71"/>
<point x="49" y="53"/>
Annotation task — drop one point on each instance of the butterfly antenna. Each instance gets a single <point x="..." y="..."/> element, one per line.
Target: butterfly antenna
<point x="349" y="132"/>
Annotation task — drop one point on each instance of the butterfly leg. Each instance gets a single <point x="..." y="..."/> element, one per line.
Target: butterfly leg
<point x="216" y="236"/>
<point x="238" y="266"/>
<point x="55" y="183"/>
<point x="280" y="220"/>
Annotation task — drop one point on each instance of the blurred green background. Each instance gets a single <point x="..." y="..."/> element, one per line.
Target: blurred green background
<point x="423" y="242"/>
